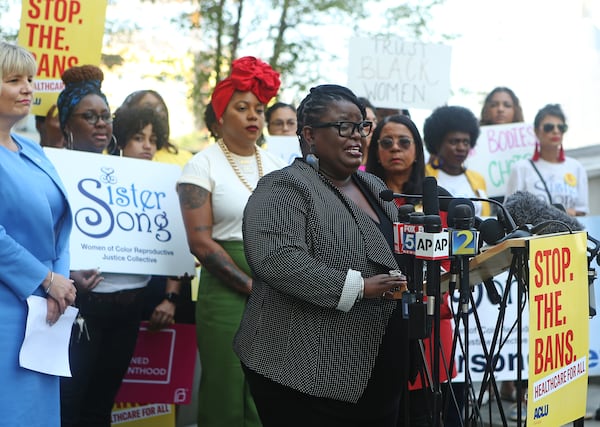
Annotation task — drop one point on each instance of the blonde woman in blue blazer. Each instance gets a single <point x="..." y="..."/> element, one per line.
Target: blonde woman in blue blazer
<point x="35" y="222"/>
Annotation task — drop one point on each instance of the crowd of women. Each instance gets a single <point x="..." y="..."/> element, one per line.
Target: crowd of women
<point x="296" y="317"/>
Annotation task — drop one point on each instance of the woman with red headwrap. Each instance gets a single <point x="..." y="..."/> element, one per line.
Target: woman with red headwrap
<point x="213" y="191"/>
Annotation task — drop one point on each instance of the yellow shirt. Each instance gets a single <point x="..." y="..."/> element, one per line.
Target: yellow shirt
<point x="165" y="156"/>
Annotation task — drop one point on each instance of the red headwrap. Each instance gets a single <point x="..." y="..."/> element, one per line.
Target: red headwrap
<point x="248" y="74"/>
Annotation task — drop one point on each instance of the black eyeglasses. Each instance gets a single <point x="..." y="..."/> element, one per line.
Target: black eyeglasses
<point x="388" y="143"/>
<point x="346" y="129"/>
<point x="92" y="117"/>
<point x="549" y="127"/>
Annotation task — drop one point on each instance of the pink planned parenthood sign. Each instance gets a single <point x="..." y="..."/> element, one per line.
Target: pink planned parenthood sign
<point x="162" y="367"/>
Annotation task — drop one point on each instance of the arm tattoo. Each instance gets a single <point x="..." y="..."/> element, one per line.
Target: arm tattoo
<point x="191" y="196"/>
<point x="220" y="265"/>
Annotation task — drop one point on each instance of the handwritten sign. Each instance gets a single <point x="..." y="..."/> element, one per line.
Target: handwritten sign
<point x="126" y="215"/>
<point x="498" y="148"/>
<point x="394" y="73"/>
<point x="60" y="34"/>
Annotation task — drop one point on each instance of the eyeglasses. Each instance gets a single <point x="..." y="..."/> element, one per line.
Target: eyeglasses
<point x="281" y="123"/>
<point x="92" y="117"/>
<point x="388" y="143"/>
<point x="549" y="127"/>
<point x="346" y="129"/>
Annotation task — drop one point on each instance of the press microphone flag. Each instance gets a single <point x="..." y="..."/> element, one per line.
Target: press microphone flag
<point x="432" y="244"/>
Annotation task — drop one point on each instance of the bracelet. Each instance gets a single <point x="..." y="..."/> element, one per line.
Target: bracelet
<point x="50" y="284"/>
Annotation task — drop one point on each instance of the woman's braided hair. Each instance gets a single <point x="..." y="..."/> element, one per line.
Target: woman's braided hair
<point x="316" y="103"/>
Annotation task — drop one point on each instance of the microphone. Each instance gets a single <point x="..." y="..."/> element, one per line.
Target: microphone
<point x="493" y="233"/>
<point x="388" y="195"/>
<point x="445" y="198"/>
<point x="464" y="240"/>
<point x="404" y="213"/>
<point x="431" y="204"/>
<point x="527" y="209"/>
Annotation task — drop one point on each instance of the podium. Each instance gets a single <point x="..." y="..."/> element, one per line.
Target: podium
<point x="551" y="275"/>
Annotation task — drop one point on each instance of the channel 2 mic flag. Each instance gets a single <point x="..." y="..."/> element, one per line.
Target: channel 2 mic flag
<point x="464" y="242"/>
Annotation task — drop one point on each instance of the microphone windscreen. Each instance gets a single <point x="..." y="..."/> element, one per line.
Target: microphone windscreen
<point x="527" y="208"/>
<point x="431" y="204"/>
<point x="454" y="212"/>
<point x="387" y="195"/>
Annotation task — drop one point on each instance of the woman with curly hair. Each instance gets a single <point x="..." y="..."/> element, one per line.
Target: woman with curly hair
<point x="148" y="98"/>
<point x="450" y="132"/>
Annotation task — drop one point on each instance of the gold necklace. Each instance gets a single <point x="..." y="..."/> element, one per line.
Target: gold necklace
<point x="236" y="168"/>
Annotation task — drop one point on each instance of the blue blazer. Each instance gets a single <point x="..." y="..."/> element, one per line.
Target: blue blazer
<point x="30" y="246"/>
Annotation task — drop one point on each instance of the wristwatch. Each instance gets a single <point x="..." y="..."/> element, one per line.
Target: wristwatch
<point x="172" y="297"/>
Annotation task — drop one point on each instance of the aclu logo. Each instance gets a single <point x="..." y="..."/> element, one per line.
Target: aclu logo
<point x="540" y="412"/>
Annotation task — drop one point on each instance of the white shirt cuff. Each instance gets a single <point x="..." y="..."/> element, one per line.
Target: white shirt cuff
<point x="353" y="290"/>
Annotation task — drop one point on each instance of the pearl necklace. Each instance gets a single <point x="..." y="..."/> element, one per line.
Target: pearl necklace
<point x="236" y="168"/>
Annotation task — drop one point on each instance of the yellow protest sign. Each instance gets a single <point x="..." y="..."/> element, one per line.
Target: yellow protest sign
<point x="60" y="34"/>
<point x="558" y="328"/>
<point x="138" y="415"/>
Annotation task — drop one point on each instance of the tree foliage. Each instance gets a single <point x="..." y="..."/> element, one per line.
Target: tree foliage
<point x="294" y="36"/>
<point x="289" y="35"/>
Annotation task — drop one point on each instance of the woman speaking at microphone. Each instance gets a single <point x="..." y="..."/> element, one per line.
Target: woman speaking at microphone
<point x="321" y="341"/>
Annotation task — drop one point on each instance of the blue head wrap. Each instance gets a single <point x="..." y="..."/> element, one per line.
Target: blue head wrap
<point x="72" y="95"/>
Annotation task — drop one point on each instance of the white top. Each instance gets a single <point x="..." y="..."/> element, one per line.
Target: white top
<point x="115" y="282"/>
<point x="567" y="182"/>
<point x="210" y="170"/>
<point x="459" y="186"/>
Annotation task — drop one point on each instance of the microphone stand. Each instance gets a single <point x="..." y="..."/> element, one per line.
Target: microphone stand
<point x="432" y="224"/>
<point x="464" y="245"/>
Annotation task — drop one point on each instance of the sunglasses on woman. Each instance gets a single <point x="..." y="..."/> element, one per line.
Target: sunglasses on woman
<point x="549" y="127"/>
<point x="388" y="143"/>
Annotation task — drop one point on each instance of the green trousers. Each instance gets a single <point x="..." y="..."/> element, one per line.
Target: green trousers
<point x="224" y="398"/>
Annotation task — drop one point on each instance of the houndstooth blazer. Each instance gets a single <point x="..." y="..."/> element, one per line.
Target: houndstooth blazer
<point x="301" y="236"/>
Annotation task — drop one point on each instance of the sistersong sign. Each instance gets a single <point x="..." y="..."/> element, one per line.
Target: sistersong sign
<point x="126" y="215"/>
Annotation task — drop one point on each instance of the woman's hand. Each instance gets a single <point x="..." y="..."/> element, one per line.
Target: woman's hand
<point x="163" y="315"/>
<point x="61" y="290"/>
<point x="86" y="280"/>
<point x="53" y="312"/>
<point x="383" y="285"/>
